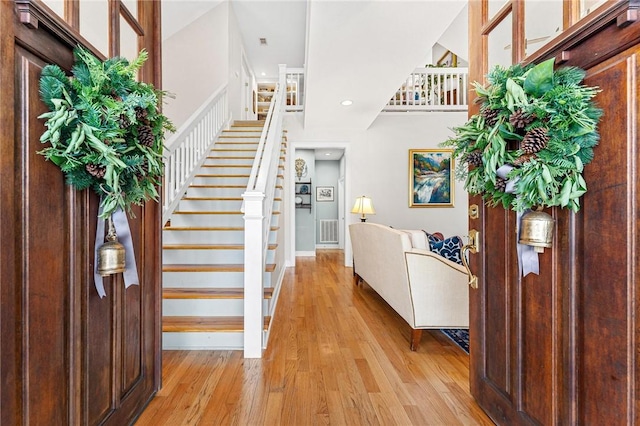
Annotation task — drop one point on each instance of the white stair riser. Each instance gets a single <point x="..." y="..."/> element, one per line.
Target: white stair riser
<point x="209" y="205"/>
<point x="215" y="192"/>
<point x="203" y="279"/>
<point x="203" y="257"/>
<point x="202" y="307"/>
<point x="207" y="220"/>
<point x="242" y="132"/>
<point x="213" y="180"/>
<point x="208" y="237"/>
<point x="202" y="237"/>
<point x="236" y="144"/>
<point x="222" y="160"/>
<point x="225" y="170"/>
<point x="208" y="279"/>
<point x="205" y="307"/>
<point x="204" y="341"/>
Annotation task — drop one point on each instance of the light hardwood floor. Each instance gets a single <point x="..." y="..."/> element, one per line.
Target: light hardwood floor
<point x="338" y="355"/>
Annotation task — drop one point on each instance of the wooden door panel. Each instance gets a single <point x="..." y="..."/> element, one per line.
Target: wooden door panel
<point x="608" y="307"/>
<point x="561" y="347"/>
<point x="42" y="258"/>
<point x="68" y="356"/>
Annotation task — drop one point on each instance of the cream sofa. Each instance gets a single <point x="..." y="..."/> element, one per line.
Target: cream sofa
<point x="424" y="288"/>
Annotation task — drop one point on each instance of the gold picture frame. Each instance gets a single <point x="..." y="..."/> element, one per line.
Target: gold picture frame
<point x="431" y="178"/>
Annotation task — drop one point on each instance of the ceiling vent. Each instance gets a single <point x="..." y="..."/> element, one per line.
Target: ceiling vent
<point x="263" y="41"/>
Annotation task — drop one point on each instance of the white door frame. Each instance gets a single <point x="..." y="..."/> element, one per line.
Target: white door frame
<point x="290" y="253"/>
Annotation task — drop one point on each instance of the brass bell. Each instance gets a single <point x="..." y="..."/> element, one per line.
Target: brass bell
<point x="536" y="229"/>
<point x="111" y="255"/>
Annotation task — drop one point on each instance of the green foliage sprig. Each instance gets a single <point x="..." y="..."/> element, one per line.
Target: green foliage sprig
<point x="105" y="129"/>
<point x="541" y="122"/>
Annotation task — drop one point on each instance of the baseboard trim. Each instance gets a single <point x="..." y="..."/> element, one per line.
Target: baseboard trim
<point x="306" y="253"/>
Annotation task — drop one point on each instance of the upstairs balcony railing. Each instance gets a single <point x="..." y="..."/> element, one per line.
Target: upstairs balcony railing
<point x="432" y="89"/>
<point x="294" y="97"/>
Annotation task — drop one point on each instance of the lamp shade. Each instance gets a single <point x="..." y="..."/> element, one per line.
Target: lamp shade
<point x="363" y="206"/>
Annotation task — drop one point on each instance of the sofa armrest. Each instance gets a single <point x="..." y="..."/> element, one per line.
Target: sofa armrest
<point x="439" y="289"/>
<point x="437" y="257"/>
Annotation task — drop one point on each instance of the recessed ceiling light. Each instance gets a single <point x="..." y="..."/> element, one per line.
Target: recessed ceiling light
<point x="263" y="41"/>
<point x="327" y="153"/>
<point x="346" y="102"/>
<point x="263" y="74"/>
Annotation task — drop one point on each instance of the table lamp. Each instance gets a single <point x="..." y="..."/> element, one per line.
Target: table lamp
<point x="364" y="206"/>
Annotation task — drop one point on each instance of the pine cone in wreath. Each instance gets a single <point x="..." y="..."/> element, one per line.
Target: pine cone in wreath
<point x="535" y="140"/>
<point x="96" y="170"/>
<point x="141" y="115"/>
<point x="519" y="119"/>
<point x="490" y="116"/>
<point x="523" y="159"/>
<point x="474" y="158"/>
<point x="145" y="135"/>
<point x="123" y="121"/>
<point x="501" y="184"/>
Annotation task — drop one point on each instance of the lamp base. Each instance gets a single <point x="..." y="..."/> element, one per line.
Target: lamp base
<point x="363" y="219"/>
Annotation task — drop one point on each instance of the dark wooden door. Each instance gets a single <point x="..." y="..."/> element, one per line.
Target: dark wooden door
<point x="562" y="347"/>
<point x="68" y="356"/>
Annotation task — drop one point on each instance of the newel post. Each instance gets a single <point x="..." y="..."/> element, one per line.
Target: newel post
<point x="253" y="273"/>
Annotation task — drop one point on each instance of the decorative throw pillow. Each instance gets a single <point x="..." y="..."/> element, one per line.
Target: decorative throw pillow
<point x="449" y="248"/>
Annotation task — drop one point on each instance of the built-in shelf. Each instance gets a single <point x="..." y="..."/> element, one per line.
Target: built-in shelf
<point x="265" y="94"/>
<point x="303" y="195"/>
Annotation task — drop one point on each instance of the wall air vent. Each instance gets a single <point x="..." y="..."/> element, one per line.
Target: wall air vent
<point x="263" y="41"/>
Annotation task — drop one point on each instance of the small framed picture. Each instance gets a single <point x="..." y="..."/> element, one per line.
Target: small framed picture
<point x="324" y="193"/>
<point x="431" y="174"/>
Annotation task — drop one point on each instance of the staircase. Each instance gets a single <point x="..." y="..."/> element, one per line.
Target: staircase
<point x="203" y="249"/>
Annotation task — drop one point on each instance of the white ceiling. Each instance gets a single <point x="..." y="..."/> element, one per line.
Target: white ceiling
<point x="352" y="49"/>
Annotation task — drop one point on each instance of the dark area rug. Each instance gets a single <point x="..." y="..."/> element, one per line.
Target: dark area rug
<point x="459" y="336"/>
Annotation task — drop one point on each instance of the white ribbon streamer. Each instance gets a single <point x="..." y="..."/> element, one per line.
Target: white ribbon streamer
<point x="502" y="172"/>
<point x="527" y="256"/>
<point x="121" y="223"/>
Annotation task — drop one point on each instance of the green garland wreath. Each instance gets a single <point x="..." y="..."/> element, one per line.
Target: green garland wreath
<point x="540" y="122"/>
<point x="105" y="129"/>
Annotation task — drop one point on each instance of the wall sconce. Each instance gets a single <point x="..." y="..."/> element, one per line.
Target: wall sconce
<point x="301" y="168"/>
<point x="363" y="206"/>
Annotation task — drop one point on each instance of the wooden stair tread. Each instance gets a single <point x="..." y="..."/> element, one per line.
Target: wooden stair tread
<point x="217" y="186"/>
<point x="234" y="150"/>
<point x="222" y="267"/>
<point x="213" y="198"/>
<point x="210" y="228"/>
<point x="221" y="176"/>
<point x="233" y="157"/>
<point x="204" y="324"/>
<point x="209" y="293"/>
<point x="216" y="212"/>
<point x="209" y="246"/>
<point x="237" y="166"/>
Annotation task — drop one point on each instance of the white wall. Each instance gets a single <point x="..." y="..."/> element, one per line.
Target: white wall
<point x="377" y="165"/>
<point x="236" y="53"/>
<point x="379" y="168"/>
<point x="196" y="62"/>
<point x="327" y="174"/>
<point x="305" y="223"/>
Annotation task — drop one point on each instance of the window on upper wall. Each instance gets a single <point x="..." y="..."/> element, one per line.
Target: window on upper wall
<point x="56" y="5"/>
<point x="588" y="6"/>
<point x="494" y="6"/>
<point x="542" y="22"/>
<point x="499" y="44"/>
<point x="94" y="23"/>
<point x="128" y="40"/>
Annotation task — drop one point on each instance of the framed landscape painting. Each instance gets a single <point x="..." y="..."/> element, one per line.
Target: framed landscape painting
<point x="431" y="174"/>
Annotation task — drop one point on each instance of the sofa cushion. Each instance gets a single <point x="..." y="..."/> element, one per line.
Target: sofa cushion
<point x="418" y="239"/>
<point x="449" y="248"/>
